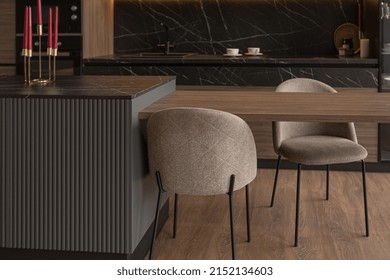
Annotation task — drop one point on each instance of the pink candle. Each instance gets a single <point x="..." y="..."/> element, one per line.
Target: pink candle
<point x="39" y="12"/>
<point x="29" y="45"/>
<point x="25" y="31"/>
<point x="55" y="31"/>
<point x="49" y="32"/>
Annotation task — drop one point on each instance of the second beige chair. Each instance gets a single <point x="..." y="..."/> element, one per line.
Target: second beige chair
<point x="197" y="151"/>
<point x="311" y="143"/>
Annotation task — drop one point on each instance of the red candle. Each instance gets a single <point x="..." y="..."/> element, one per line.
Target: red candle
<point x="49" y="32"/>
<point x="55" y="31"/>
<point x="39" y="12"/>
<point x="25" y="31"/>
<point x="359" y="20"/>
<point x="29" y="45"/>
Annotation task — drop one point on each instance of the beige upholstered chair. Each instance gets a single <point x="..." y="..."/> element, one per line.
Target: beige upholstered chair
<point x="197" y="151"/>
<point x="312" y="143"/>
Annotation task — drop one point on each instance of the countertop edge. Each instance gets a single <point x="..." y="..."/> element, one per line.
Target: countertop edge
<point x="242" y="61"/>
<point x="16" y="88"/>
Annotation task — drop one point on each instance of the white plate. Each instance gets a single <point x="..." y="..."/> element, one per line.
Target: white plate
<point x="226" y="54"/>
<point x="254" y="54"/>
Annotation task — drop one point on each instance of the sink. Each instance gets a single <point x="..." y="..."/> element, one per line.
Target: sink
<point x="156" y="55"/>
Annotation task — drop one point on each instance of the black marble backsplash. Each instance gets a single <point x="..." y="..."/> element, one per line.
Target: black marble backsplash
<point x="279" y="27"/>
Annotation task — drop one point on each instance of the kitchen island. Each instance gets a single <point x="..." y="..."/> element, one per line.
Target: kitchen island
<point x="73" y="169"/>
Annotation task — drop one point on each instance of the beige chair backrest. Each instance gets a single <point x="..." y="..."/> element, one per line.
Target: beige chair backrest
<point x="197" y="150"/>
<point x="286" y="130"/>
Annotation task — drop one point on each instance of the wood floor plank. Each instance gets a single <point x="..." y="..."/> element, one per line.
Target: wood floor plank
<point x="331" y="229"/>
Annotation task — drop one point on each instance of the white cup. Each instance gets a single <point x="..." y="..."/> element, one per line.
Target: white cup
<point x="364" y="48"/>
<point x="253" y="50"/>
<point x="232" y="51"/>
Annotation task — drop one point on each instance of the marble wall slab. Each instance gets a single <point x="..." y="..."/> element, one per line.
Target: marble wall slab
<point x="279" y="27"/>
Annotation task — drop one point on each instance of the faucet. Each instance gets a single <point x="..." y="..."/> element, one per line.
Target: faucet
<point x="167" y="45"/>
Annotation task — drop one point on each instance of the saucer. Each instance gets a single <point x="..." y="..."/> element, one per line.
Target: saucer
<point x="385" y="51"/>
<point x="254" y="54"/>
<point x="226" y="54"/>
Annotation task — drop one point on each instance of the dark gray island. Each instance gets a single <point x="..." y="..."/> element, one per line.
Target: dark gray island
<point x="73" y="170"/>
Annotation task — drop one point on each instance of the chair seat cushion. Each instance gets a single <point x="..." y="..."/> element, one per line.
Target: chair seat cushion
<point x="321" y="150"/>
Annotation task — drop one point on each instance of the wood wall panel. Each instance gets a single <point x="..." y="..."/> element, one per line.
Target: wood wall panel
<point x="7" y="31"/>
<point x="7" y="70"/>
<point x="367" y="134"/>
<point x="262" y="131"/>
<point x="98" y="27"/>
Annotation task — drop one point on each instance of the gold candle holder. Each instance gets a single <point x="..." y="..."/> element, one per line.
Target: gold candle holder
<point x="54" y="54"/>
<point x="49" y="52"/>
<point x="28" y="53"/>
<point x="24" y="54"/>
<point x="27" y="50"/>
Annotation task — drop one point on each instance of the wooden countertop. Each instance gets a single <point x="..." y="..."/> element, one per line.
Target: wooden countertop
<point x="349" y="104"/>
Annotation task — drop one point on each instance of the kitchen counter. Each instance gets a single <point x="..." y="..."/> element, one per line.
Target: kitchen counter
<point x="244" y="60"/>
<point x="213" y="70"/>
<point x="128" y="87"/>
<point x="73" y="164"/>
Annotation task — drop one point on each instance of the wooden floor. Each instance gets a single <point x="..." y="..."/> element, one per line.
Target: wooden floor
<point x="331" y="229"/>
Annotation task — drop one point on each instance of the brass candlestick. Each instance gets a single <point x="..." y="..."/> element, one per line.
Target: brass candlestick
<point x="54" y="54"/>
<point x="49" y="52"/>
<point x="27" y="50"/>
<point x="25" y="64"/>
<point x="27" y="53"/>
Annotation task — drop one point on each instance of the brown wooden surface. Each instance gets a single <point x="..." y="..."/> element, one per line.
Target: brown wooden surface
<point x="349" y="104"/>
<point x="7" y="70"/>
<point x="7" y="31"/>
<point x="260" y="106"/>
<point x="367" y="134"/>
<point x="98" y="28"/>
<point x="262" y="132"/>
<point x="329" y="230"/>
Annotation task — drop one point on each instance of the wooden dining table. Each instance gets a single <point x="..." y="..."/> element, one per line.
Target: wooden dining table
<point x="261" y="105"/>
<point x="348" y="104"/>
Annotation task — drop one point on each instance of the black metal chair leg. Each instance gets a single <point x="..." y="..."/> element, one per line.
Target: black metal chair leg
<point x="275" y="180"/>
<point x="297" y="205"/>
<point x="160" y="191"/>
<point x="231" y="188"/>
<point x="365" y="197"/>
<point x="175" y="214"/>
<point x="327" y="181"/>
<point x="248" y="225"/>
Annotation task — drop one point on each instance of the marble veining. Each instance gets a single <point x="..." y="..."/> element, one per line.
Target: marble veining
<point x="83" y="86"/>
<point x="279" y="27"/>
<point x="248" y="76"/>
<point x="296" y="37"/>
